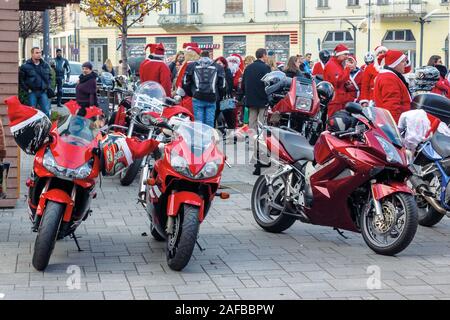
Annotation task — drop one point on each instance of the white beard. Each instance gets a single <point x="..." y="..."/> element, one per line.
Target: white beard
<point x="234" y="67"/>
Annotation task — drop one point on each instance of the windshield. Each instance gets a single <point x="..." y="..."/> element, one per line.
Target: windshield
<point x="383" y="120"/>
<point x="75" y="69"/>
<point x="151" y="96"/>
<point x="77" y="131"/>
<point x="304" y="88"/>
<point x="197" y="135"/>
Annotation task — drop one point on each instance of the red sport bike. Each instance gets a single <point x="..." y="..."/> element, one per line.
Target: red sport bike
<point x="62" y="184"/>
<point x="181" y="186"/>
<point x="354" y="180"/>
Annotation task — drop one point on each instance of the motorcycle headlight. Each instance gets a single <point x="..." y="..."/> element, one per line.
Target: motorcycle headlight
<point x="392" y="155"/>
<point x="303" y="103"/>
<point x="180" y="164"/>
<point x="211" y="169"/>
<point x="82" y="172"/>
<point x="145" y="119"/>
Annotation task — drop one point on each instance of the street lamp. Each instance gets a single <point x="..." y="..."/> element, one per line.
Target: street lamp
<point x="422" y="21"/>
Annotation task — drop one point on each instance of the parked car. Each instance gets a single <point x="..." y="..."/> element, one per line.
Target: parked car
<point x="69" y="88"/>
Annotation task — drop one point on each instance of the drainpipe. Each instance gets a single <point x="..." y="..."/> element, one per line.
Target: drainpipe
<point x="303" y="24"/>
<point x="46" y="35"/>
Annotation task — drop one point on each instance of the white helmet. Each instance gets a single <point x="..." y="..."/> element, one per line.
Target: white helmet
<point x="369" y="58"/>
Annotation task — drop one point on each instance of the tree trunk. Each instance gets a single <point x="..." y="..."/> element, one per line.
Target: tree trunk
<point x="24" y="48"/>
<point x="124" y="48"/>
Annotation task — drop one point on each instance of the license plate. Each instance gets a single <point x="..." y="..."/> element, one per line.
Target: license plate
<point x="69" y="90"/>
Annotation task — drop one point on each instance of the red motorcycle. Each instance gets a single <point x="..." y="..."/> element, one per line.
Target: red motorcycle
<point x="150" y="96"/>
<point x="354" y="179"/>
<point x="180" y="187"/>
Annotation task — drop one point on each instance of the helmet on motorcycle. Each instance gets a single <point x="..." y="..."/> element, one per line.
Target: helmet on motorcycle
<point x="369" y="58"/>
<point x="115" y="155"/>
<point x="325" y="90"/>
<point x="341" y="121"/>
<point x="425" y="79"/>
<point x="30" y="127"/>
<point x="149" y="95"/>
<point x="324" y="56"/>
<point x="275" y="81"/>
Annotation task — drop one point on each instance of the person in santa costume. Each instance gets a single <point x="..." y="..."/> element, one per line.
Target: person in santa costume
<point x="443" y="85"/>
<point x="391" y="90"/>
<point x="337" y="73"/>
<point x="353" y="85"/>
<point x="236" y="65"/>
<point x="155" y="69"/>
<point x="319" y="67"/>
<point x="370" y="73"/>
<point x="191" y="54"/>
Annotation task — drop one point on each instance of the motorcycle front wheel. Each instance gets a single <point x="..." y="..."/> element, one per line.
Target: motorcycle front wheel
<point x="128" y="175"/>
<point x="393" y="232"/>
<point x="47" y="235"/>
<point x="180" y="244"/>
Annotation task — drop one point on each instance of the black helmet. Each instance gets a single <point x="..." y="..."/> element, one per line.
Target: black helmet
<point x="442" y="70"/>
<point x="324" y="56"/>
<point x="341" y="121"/>
<point x="325" y="90"/>
<point x="276" y="81"/>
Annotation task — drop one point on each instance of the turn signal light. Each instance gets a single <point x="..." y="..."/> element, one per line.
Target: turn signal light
<point x="224" y="196"/>
<point x="151" y="182"/>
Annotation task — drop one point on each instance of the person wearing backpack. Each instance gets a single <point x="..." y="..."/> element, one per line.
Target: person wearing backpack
<point x="204" y="81"/>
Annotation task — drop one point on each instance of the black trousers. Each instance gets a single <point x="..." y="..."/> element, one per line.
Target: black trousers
<point x="229" y="115"/>
<point x="59" y="90"/>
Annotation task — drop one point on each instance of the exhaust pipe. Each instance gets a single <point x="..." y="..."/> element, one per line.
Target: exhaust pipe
<point x="421" y="188"/>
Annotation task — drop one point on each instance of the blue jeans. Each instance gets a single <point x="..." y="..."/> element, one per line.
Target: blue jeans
<point x="40" y="98"/>
<point x="204" y="112"/>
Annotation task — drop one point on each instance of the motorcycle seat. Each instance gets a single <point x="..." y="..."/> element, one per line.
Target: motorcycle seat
<point x="295" y="144"/>
<point x="441" y="143"/>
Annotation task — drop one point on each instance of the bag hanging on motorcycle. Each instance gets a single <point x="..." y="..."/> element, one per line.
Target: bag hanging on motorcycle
<point x="30" y="127"/>
<point x="115" y="155"/>
<point x="4" y="171"/>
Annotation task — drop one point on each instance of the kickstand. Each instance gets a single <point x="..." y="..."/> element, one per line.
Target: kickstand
<point x="199" y="246"/>
<point x="75" y="238"/>
<point x="341" y="233"/>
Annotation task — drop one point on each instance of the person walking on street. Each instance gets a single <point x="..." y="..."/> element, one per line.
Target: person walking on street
<point x="175" y="65"/>
<point x="155" y="69"/>
<point x="108" y="67"/>
<point x="338" y="73"/>
<point x="391" y="90"/>
<point x="307" y="63"/>
<point x="292" y="69"/>
<point x="34" y="78"/>
<point x="86" y="91"/>
<point x="204" y="80"/>
<point x="227" y="93"/>
<point x="62" y="69"/>
<point x="319" y="67"/>
<point x="353" y="86"/>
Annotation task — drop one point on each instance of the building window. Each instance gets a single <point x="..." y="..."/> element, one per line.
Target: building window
<point x="136" y="47"/>
<point x="338" y="36"/>
<point x="194" y="6"/>
<point x="353" y="3"/>
<point x="276" y="5"/>
<point x="234" y="44"/>
<point x="173" y="7"/>
<point x="205" y="43"/>
<point x="234" y="6"/>
<point x="322" y="3"/>
<point x="280" y="44"/>
<point x="170" y="44"/>
<point x="399" y="35"/>
<point x="382" y="2"/>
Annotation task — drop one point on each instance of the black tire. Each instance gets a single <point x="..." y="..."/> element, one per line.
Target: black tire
<point x="47" y="235"/>
<point x="130" y="173"/>
<point x="189" y="226"/>
<point x="155" y="234"/>
<point x="278" y="225"/>
<point x="406" y="236"/>
<point x="429" y="217"/>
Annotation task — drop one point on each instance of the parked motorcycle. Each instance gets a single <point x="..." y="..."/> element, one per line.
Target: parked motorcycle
<point x="354" y="179"/>
<point x="181" y="186"/>
<point x="150" y="96"/>
<point x="431" y="164"/>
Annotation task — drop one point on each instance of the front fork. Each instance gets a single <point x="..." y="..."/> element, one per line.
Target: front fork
<point x="145" y="169"/>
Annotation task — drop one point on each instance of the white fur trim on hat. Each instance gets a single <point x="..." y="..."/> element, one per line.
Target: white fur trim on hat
<point x="337" y="54"/>
<point x="379" y="49"/>
<point x="398" y="61"/>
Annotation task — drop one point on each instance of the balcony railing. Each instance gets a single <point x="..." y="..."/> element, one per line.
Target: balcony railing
<point x="180" y="20"/>
<point x="397" y="9"/>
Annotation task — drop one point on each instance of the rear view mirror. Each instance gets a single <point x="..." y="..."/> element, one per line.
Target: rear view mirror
<point x="354" y="108"/>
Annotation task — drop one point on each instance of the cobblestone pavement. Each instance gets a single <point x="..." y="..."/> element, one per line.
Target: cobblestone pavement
<point x="240" y="262"/>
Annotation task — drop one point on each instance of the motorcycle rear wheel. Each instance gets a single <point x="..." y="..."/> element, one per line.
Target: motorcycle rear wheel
<point x="273" y="221"/>
<point x="181" y="244"/>
<point x="129" y="174"/>
<point x="429" y="217"/>
<point x="399" y="210"/>
<point x="47" y="235"/>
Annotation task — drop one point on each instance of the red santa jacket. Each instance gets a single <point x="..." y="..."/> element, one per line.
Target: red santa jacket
<point x="368" y="83"/>
<point x="391" y="94"/>
<point x="318" y="69"/>
<point x="158" y="71"/>
<point x="337" y="75"/>
<point x="353" y="86"/>
<point x="442" y="87"/>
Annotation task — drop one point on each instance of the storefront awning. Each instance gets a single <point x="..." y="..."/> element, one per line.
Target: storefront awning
<point x="41" y="5"/>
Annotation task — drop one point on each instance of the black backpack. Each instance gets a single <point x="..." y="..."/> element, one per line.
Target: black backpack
<point x="205" y="77"/>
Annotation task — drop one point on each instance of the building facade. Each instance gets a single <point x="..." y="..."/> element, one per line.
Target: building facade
<point x="392" y="23"/>
<point x="225" y="26"/>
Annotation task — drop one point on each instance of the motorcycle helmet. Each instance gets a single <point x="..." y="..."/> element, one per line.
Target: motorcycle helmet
<point x="369" y="58"/>
<point x="325" y="90"/>
<point x="341" y="121"/>
<point x="425" y="79"/>
<point x="276" y="81"/>
<point x="442" y="70"/>
<point x="324" y="56"/>
<point x="29" y="126"/>
<point x="115" y="155"/>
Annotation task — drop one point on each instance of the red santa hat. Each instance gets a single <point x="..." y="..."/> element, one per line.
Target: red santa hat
<point x="393" y="58"/>
<point x="341" y="50"/>
<point x="156" y="49"/>
<point x="192" y="46"/>
<point x="20" y="115"/>
<point x="379" y="49"/>
<point x="352" y="57"/>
